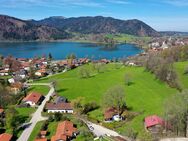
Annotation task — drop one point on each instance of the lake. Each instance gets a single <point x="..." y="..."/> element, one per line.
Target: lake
<point x="60" y="50"/>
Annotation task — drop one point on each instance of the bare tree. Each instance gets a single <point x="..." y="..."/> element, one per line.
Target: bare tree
<point x="128" y="79"/>
<point x="115" y="97"/>
<point x="84" y="72"/>
<point x="176" y="111"/>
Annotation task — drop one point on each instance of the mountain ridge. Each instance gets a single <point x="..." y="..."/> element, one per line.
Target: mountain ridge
<point x="100" y="24"/>
<point x="59" y="27"/>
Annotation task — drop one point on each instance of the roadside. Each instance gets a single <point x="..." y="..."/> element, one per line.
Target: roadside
<point x="37" y="115"/>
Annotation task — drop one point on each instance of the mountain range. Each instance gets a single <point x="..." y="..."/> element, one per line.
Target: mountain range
<point x="59" y="27"/>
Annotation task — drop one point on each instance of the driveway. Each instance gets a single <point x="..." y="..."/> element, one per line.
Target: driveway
<point x="99" y="130"/>
<point x="37" y="115"/>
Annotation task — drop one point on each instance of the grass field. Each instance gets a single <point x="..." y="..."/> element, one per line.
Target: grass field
<point x="25" y="111"/>
<point x="180" y="67"/>
<point x="145" y="96"/>
<point x="40" y="89"/>
<point x="36" y="131"/>
<point x="127" y="38"/>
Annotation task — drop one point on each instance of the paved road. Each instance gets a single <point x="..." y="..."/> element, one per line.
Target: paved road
<point x="99" y="130"/>
<point x="37" y="115"/>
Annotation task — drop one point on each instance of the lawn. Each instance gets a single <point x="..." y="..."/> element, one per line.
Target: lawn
<point x="25" y="111"/>
<point x="146" y="95"/>
<point x="36" y="131"/>
<point x="40" y="89"/>
<point x="180" y="67"/>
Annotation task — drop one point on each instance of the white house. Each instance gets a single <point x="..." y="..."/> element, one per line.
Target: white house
<point x="59" y="108"/>
<point x="4" y="72"/>
<point x="33" y="99"/>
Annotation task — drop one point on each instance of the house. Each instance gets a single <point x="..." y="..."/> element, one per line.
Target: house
<point x="59" y="107"/>
<point x="111" y="114"/>
<point x="83" y="60"/>
<point x="60" y="99"/>
<point x="2" y="113"/>
<point x="43" y="134"/>
<point x="65" y="131"/>
<point x="41" y="72"/>
<point x="105" y="61"/>
<point x="4" y="72"/>
<point x="5" y="137"/>
<point x="16" y="87"/>
<point x="11" y="80"/>
<point x="154" y="123"/>
<point x="26" y="66"/>
<point x="33" y="99"/>
<point x="43" y="139"/>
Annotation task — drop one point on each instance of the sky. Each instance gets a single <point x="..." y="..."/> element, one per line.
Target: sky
<point x="162" y="15"/>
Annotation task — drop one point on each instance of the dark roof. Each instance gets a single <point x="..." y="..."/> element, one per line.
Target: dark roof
<point x="59" y="106"/>
<point x="60" y="99"/>
<point x="109" y="113"/>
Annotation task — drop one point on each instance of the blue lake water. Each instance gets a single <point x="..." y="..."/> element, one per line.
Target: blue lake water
<point x="60" y="50"/>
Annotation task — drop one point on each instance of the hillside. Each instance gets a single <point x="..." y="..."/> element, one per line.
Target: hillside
<point x="58" y="27"/>
<point x="99" y="24"/>
<point x="145" y="96"/>
<point x="16" y="29"/>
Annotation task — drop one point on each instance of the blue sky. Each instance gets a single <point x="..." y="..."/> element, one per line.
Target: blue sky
<point x="162" y="15"/>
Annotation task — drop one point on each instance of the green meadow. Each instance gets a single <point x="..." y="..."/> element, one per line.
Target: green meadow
<point x="145" y="96"/>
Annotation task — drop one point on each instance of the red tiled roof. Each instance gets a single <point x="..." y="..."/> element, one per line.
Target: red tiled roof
<point x="59" y="106"/>
<point x="41" y="139"/>
<point x="18" y="85"/>
<point x="109" y="113"/>
<point x="42" y="71"/>
<point x="1" y="110"/>
<point x="43" y="132"/>
<point x="33" y="96"/>
<point x="4" y="71"/>
<point x="64" y="130"/>
<point x="5" y="137"/>
<point x="25" y="64"/>
<point x="153" y="120"/>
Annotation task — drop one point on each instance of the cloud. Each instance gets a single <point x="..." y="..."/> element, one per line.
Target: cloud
<point x="48" y="3"/>
<point x="177" y="2"/>
<point x="118" y="1"/>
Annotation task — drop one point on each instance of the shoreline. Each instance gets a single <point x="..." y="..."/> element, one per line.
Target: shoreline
<point x="64" y="41"/>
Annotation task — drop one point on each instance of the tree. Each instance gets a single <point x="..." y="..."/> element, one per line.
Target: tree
<point x="57" y="116"/>
<point x="84" y="72"/>
<point x="186" y="70"/>
<point x="99" y="67"/>
<point x="129" y="132"/>
<point x="128" y="79"/>
<point x="176" y="112"/>
<point x="115" y="97"/>
<point x="54" y="84"/>
<point x="78" y="104"/>
<point x="11" y="114"/>
<point x="71" y="56"/>
<point x="50" y="57"/>
<point x="89" y="107"/>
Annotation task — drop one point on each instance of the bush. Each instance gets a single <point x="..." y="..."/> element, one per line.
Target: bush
<point x="45" y="125"/>
<point x="57" y="116"/>
<point x="88" y="107"/>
